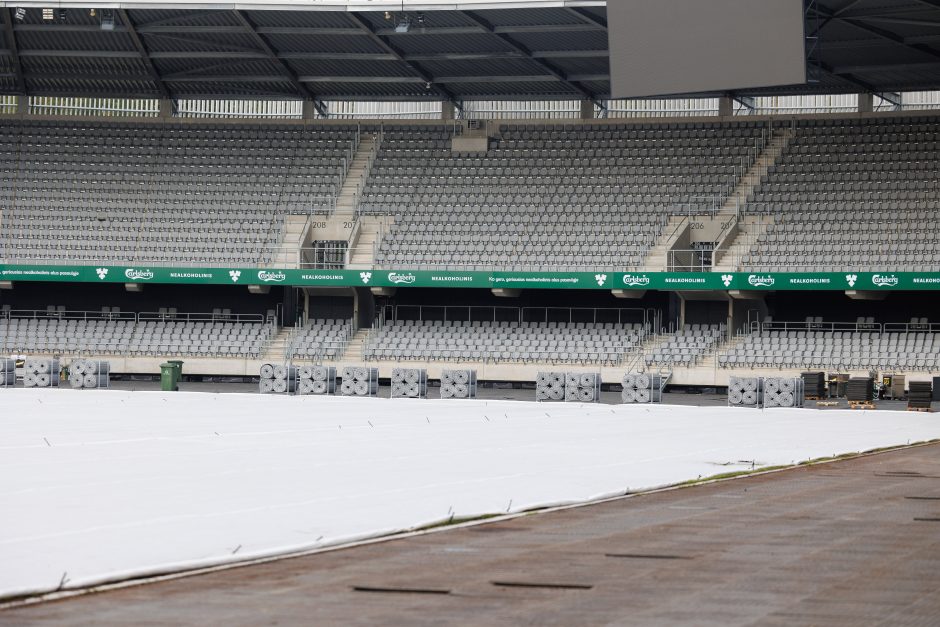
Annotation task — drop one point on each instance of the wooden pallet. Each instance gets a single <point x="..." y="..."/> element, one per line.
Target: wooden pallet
<point x="920" y="409"/>
<point x="827" y="403"/>
<point x="814" y="398"/>
<point x="861" y="405"/>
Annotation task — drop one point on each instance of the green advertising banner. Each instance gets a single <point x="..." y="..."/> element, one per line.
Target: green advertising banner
<point x="600" y="280"/>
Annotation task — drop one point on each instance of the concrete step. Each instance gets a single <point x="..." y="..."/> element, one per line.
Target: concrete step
<point x="656" y="258"/>
<point x="751" y="230"/>
<point x="274" y="351"/>
<point x="753" y="177"/>
<point x="353" y="352"/>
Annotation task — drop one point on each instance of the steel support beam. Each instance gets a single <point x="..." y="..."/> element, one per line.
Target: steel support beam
<point x="415" y="68"/>
<point x="547" y="66"/>
<point x="144" y="55"/>
<point x="12" y="50"/>
<point x="302" y="90"/>
<point x="849" y="78"/>
<point x="892" y="37"/>
<point x="895" y="98"/>
<point x="587" y="17"/>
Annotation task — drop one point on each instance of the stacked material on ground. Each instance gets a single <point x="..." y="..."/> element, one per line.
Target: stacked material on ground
<point x="641" y="387"/>
<point x="316" y="380"/>
<point x="744" y="392"/>
<point x="359" y="381"/>
<point x="919" y="395"/>
<point x="783" y="392"/>
<point x="409" y="383"/>
<point x="7" y="372"/>
<point x="458" y="384"/>
<point x="550" y="386"/>
<point x="814" y="384"/>
<point x="89" y="374"/>
<point x="278" y="379"/>
<point x="861" y="390"/>
<point x="583" y="387"/>
<point x="41" y="373"/>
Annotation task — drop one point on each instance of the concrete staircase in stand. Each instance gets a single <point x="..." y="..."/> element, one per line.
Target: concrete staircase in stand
<point x="287" y="254"/>
<point x="359" y="232"/>
<point x="750" y="228"/>
<point x="353" y="352"/>
<point x="761" y="166"/>
<point x="364" y="244"/>
<point x="348" y="200"/>
<point x="274" y="351"/>
<point x="658" y="255"/>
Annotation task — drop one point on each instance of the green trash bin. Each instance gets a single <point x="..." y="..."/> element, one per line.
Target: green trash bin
<point x="178" y="364"/>
<point x="168" y="380"/>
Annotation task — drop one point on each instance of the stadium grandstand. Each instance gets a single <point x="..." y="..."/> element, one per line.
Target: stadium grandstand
<point x="462" y="185"/>
<point x="299" y="152"/>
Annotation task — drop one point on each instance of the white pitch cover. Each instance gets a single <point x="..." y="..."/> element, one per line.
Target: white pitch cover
<point x="105" y="485"/>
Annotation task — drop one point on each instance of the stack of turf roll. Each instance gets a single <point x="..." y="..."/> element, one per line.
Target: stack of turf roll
<point x="88" y="374"/>
<point x="920" y="394"/>
<point x="458" y="384"/>
<point x="359" y="381"/>
<point x="860" y="390"/>
<point x="278" y="379"/>
<point x="316" y="380"/>
<point x="409" y="383"/>
<point x="41" y="373"/>
<point x="744" y="392"/>
<point x="814" y="384"/>
<point x="583" y="387"/>
<point x="266" y="384"/>
<point x="550" y="386"/>
<point x="783" y="392"/>
<point x="641" y="387"/>
<point x="7" y="372"/>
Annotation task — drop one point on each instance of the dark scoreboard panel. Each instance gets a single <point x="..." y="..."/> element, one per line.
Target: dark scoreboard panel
<point x="665" y="47"/>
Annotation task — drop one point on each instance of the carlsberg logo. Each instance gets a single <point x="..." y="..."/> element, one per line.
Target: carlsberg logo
<point x="401" y="279"/>
<point x="884" y="280"/>
<point x="760" y="281"/>
<point x="138" y="275"/>
<point x="272" y="277"/>
<point x="634" y="280"/>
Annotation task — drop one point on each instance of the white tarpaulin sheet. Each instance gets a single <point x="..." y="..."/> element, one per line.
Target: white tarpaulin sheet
<point x="100" y="485"/>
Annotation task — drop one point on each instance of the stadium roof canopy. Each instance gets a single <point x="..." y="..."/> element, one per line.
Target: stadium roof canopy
<point x="335" y="50"/>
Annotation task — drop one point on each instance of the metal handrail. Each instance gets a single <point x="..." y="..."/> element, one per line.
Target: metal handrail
<point x="613" y="357"/>
<point x="519" y="313"/>
<point x="45" y="314"/>
<point x="491" y="267"/>
<point x="690" y="260"/>
<point x="831" y="362"/>
<point x="367" y="172"/>
<point x="308" y="256"/>
<point x="130" y="316"/>
<point x="146" y="316"/>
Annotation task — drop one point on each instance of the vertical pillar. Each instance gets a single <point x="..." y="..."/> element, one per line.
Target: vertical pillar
<point x="587" y="110"/>
<point x="165" y="108"/>
<point x="309" y="110"/>
<point x="448" y="110"/>
<point x="866" y="102"/>
<point x="22" y="105"/>
<point x="725" y="107"/>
